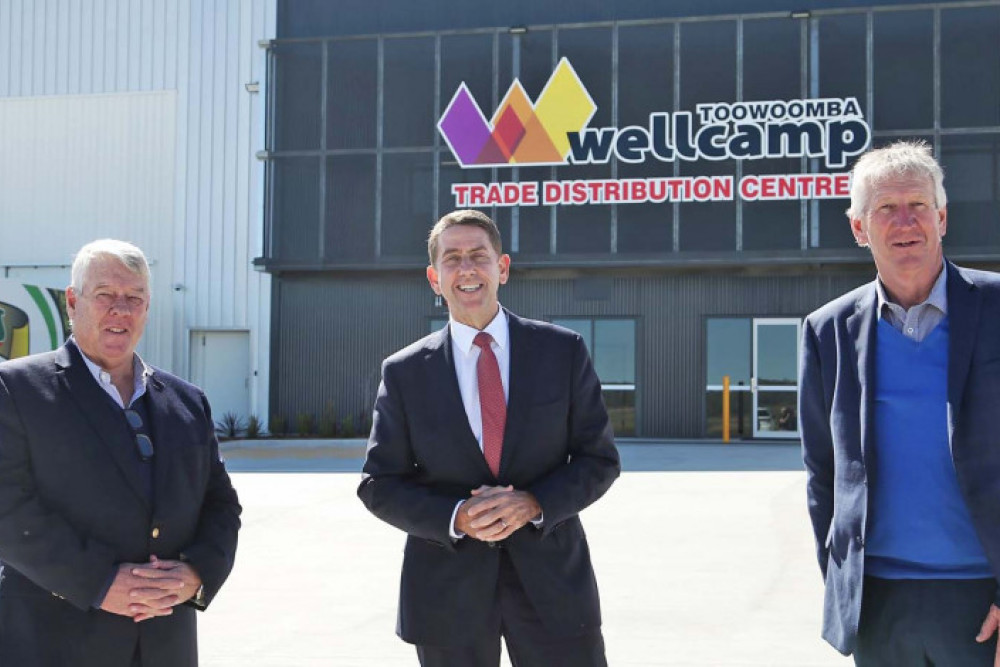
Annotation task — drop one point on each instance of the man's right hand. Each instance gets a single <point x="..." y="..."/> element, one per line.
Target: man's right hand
<point x="139" y="598"/>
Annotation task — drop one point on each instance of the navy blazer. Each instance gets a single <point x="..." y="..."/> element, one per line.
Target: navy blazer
<point x="423" y="458"/>
<point x="836" y="410"/>
<point x="72" y="507"/>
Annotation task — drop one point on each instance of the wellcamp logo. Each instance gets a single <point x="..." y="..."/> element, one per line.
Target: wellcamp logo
<point x="520" y="132"/>
<point x="554" y="131"/>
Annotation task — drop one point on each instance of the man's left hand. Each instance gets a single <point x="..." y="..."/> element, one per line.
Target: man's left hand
<point x="990" y="626"/>
<point x="497" y="516"/>
<point x="170" y="573"/>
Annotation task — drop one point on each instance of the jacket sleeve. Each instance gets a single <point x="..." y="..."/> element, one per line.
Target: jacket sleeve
<point x="817" y="442"/>
<point x="35" y="541"/>
<point x="213" y="551"/>
<point x="592" y="463"/>
<point x="389" y="485"/>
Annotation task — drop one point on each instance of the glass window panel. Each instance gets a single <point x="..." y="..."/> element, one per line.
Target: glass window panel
<point x="585" y="228"/>
<point x="501" y="216"/>
<point x="614" y="352"/>
<point x="708" y="63"/>
<point x="505" y="61"/>
<point x="407" y="204"/>
<point x="711" y="225"/>
<point x="740" y="404"/>
<point x="352" y="83"/>
<point x="776" y="412"/>
<point x="437" y="323"/>
<point x="582" y="327"/>
<point x="350" y="207"/>
<point x="970" y="67"/>
<point x="842" y="48"/>
<point x="298" y="76"/>
<point x="972" y="180"/>
<point x="468" y="59"/>
<point x="589" y="52"/>
<point x="772" y="225"/>
<point x="904" y="70"/>
<point x="771" y="59"/>
<point x="645" y="228"/>
<point x="408" y="92"/>
<point x="777" y="354"/>
<point x="645" y="72"/>
<point x="536" y="63"/>
<point x="534" y="221"/>
<point x="728" y="350"/>
<point x="295" y="227"/>
<point x="621" y="410"/>
<point x="834" y="227"/>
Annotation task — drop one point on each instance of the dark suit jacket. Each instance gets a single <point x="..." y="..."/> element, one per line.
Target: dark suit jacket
<point x="423" y="458"/>
<point x="836" y="408"/>
<point x="72" y="507"/>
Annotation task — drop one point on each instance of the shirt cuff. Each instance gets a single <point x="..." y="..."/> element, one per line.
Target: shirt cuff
<point x="537" y="523"/>
<point x="455" y="535"/>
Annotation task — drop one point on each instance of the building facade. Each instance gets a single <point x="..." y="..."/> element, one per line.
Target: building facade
<point x="140" y="120"/>
<point x="669" y="183"/>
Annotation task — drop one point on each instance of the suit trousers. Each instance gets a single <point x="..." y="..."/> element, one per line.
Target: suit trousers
<point x="528" y="642"/>
<point x="924" y="623"/>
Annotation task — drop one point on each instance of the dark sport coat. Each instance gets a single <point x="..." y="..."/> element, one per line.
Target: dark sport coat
<point x="72" y="508"/>
<point x="836" y="409"/>
<point x="423" y="458"/>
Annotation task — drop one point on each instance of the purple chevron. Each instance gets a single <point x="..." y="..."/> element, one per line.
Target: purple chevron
<point x="464" y="127"/>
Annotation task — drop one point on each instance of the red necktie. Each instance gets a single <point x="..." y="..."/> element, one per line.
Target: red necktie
<point x="491" y="401"/>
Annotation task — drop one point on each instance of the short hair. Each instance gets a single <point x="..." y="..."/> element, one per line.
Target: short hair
<point x="902" y="158"/>
<point x="126" y="253"/>
<point x="463" y="217"/>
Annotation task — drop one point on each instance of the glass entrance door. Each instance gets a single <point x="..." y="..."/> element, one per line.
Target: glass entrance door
<point x="774" y="383"/>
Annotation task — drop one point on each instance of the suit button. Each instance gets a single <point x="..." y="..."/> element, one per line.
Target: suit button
<point x="860" y="541"/>
<point x="155" y="533"/>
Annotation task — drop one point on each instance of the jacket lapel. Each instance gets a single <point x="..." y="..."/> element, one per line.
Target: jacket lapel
<point x="111" y="429"/>
<point x="861" y="327"/>
<point x="522" y="356"/>
<point x="963" y="323"/>
<point x="158" y="409"/>
<point x="441" y="357"/>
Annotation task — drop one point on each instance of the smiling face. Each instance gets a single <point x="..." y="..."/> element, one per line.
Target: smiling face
<point x="468" y="273"/>
<point x="109" y="313"/>
<point x="903" y="227"/>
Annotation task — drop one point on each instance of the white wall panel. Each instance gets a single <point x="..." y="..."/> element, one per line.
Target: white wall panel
<point x="200" y="53"/>
<point x="80" y="167"/>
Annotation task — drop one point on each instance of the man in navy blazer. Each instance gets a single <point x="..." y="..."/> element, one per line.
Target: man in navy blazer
<point x="117" y="517"/>
<point x="899" y="405"/>
<point x="501" y="551"/>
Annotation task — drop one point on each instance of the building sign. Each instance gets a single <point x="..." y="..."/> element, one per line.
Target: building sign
<point x="553" y="130"/>
<point x="32" y="319"/>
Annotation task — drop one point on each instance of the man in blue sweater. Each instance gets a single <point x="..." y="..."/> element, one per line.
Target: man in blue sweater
<point x="899" y="404"/>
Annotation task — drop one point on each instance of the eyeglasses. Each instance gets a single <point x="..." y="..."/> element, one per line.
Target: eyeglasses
<point x="143" y="445"/>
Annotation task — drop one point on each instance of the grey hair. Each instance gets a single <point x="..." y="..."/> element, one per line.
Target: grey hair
<point x="126" y="253"/>
<point x="902" y="158"/>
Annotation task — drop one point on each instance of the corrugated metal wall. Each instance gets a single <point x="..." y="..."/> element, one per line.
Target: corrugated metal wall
<point x="203" y="52"/>
<point x="333" y="331"/>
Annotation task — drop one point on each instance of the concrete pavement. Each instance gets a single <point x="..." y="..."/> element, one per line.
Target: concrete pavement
<point x="703" y="554"/>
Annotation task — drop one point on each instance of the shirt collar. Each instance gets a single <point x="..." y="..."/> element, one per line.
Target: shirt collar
<point x="140" y="371"/>
<point x="464" y="335"/>
<point x="937" y="298"/>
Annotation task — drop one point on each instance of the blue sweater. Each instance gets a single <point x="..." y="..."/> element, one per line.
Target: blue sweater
<point x="919" y="526"/>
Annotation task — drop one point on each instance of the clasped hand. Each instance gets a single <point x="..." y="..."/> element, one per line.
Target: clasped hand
<point x="493" y="513"/>
<point x="145" y="590"/>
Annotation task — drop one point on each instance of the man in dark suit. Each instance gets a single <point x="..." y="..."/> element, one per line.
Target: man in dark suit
<point x="899" y="397"/>
<point x="117" y="517"/>
<point x="489" y="437"/>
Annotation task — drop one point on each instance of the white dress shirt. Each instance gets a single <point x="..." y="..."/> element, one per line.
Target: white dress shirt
<point x="466" y="354"/>
<point x="140" y="373"/>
